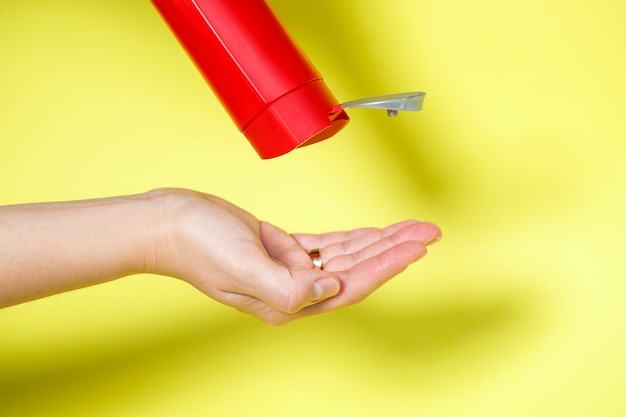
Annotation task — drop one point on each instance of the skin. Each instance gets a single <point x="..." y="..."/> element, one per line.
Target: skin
<point x="217" y="247"/>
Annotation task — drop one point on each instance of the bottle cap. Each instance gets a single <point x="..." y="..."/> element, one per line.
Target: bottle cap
<point x="298" y="118"/>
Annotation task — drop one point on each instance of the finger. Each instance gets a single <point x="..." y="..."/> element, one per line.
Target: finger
<point x="287" y="290"/>
<point x="425" y="232"/>
<point x="354" y="248"/>
<point x="271" y="314"/>
<point x="357" y="283"/>
<point x="267" y="313"/>
<point x="312" y="241"/>
<point x="364" y="278"/>
<point x="355" y="254"/>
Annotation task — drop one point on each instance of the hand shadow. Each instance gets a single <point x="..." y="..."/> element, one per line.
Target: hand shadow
<point x="410" y="342"/>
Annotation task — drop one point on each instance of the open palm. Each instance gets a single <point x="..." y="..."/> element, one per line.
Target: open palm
<point x="260" y="269"/>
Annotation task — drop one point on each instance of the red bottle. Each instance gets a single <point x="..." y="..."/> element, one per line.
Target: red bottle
<point x="271" y="90"/>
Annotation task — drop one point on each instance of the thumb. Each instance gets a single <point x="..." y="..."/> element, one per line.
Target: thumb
<point x="325" y="288"/>
<point x="287" y="290"/>
<point x="308" y="286"/>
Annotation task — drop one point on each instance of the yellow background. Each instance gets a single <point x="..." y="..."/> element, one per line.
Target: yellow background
<point x="518" y="155"/>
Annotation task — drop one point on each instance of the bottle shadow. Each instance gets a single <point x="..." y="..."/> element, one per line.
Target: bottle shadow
<point x="360" y="70"/>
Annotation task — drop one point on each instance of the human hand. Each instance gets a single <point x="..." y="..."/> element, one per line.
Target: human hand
<point x="260" y="269"/>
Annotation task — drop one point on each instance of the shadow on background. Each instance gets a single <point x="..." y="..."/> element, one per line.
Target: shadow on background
<point x="420" y="342"/>
<point x="360" y="71"/>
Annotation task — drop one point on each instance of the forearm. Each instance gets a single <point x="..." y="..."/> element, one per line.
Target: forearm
<point x="217" y="247"/>
<point x="54" y="247"/>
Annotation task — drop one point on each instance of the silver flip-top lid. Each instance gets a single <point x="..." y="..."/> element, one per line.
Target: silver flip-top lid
<point x="393" y="103"/>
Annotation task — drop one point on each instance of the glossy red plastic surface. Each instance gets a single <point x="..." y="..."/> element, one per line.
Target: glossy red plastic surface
<point x="267" y="85"/>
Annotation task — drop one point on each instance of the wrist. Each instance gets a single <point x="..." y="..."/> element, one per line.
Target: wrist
<point x="165" y="206"/>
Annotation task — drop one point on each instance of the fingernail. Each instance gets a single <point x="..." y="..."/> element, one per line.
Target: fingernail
<point x="325" y="288"/>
